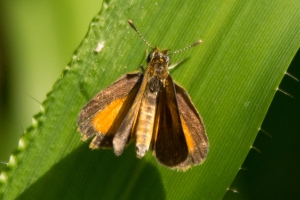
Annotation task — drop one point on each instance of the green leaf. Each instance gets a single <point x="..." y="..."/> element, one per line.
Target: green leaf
<point x="272" y="169"/>
<point x="231" y="78"/>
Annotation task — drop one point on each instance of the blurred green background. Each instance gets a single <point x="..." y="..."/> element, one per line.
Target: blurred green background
<point x="37" y="40"/>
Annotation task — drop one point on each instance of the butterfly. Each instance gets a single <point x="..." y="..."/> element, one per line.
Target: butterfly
<point x="151" y="109"/>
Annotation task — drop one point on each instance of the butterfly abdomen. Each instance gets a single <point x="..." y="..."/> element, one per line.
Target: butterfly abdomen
<point x="145" y="123"/>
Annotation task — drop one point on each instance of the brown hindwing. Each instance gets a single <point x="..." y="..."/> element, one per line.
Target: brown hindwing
<point x="193" y="128"/>
<point x="104" y="114"/>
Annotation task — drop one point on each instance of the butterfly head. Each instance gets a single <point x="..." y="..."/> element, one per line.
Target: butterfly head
<point x="158" y="57"/>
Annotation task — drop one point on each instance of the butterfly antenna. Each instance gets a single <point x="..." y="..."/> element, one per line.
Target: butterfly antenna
<point x="192" y="45"/>
<point x="133" y="26"/>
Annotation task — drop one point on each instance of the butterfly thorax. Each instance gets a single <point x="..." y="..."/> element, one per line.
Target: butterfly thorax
<point x="158" y="63"/>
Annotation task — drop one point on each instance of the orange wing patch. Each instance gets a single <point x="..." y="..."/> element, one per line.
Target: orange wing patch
<point x="188" y="138"/>
<point x="107" y="122"/>
<point x="103" y="121"/>
<point x="104" y="114"/>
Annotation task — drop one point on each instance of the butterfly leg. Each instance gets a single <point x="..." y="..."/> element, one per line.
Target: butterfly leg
<point x="142" y="68"/>
<point x="176" y="64"/>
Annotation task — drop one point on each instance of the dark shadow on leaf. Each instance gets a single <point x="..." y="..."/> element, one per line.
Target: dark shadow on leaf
<point x="98" y="174"/>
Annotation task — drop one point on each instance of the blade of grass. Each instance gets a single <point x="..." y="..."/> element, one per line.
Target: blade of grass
<point x="231" y="78"/>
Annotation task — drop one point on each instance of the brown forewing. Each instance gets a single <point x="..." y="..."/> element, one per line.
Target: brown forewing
<point x="126" y="129"/>
<point x="104" y="114"/>
<point x="169" y="143"/>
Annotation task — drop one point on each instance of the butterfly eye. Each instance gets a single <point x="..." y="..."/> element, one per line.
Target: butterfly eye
<point x="149" y="57"/>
